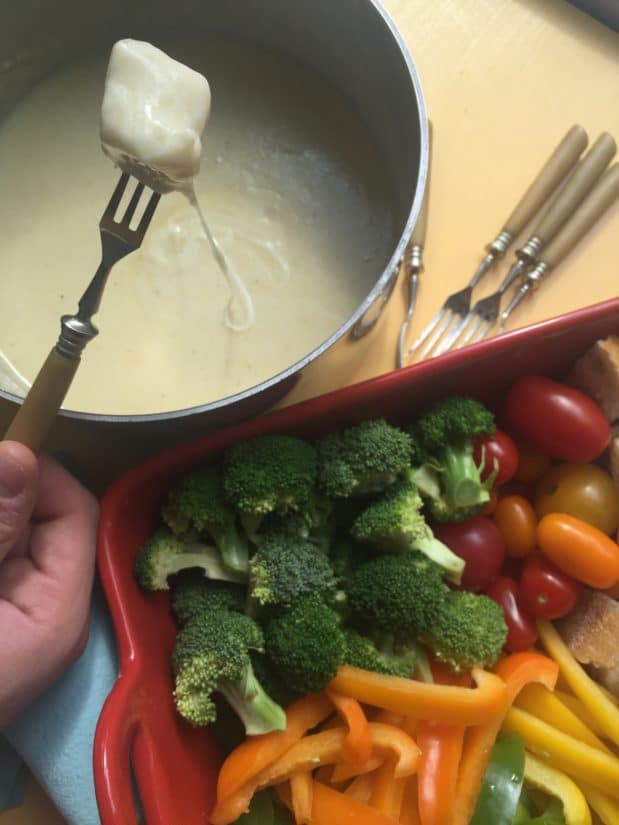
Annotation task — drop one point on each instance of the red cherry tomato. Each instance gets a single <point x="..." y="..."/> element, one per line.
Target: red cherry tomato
<point x="557" y="419"/>
<point x="547" y="592"/>
<point x="497" y="446"/>
<point x="479" y="542"/>
<point x="521" y="628"/>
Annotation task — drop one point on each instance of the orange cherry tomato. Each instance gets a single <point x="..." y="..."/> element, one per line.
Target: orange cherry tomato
<point x="532" y="462"/>
<point x="579" y="549"/>
<point x="516" y="520"/>
<point x="585" y="491"/>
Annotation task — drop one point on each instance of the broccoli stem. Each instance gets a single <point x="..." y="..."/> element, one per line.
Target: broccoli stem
<point x="254" y="707"/>
<point x="209" y="559"/>
<point x="422" y="666"/>
<point x="441" y="554"/>
<point x="233" y="549"/>
<point x="463" y="485"/>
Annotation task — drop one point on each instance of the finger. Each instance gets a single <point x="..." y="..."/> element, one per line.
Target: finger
<point x="63" y="538"/>
<point x="18" y="490"/>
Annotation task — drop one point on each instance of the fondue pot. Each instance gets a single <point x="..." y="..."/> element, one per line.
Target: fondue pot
<point x="355" y="47"/>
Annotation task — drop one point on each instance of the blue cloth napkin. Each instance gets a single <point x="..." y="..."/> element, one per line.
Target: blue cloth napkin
<point x="54" y="735"/>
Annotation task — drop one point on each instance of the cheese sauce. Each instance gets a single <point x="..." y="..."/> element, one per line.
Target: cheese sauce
<point x="295" y="196"/>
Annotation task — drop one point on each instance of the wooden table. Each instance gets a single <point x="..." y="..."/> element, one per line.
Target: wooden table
<point x="504" y="80"/>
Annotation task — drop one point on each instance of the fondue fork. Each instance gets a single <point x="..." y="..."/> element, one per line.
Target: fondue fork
<point x="482" y="318"/>
<point x="602" y="197"/>
<point x="413" y="261"/>
<point x="36" y="415"/>
<point x="458" y="304"/>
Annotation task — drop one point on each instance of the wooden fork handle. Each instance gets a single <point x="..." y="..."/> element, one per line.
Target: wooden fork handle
<point x="34" y="418"/>
<point x="418" y="238"/>
<point x="581" y="182"/>
<point x="558" y="165"/>
<point x="601" y="197"/>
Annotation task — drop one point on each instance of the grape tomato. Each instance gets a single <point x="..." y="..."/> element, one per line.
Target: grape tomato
<point x="497" y="447"/>
<point x="479" y="542"/>
<point x="556" y="418"/>
<point x="532" y="463"/>
<point x="585" y="491"/>
<point x="547" y="592"/>
<point x="516" y="519"/>
<point x="521" y="627"/>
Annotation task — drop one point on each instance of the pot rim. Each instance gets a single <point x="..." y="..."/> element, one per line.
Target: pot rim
<point x="381" y="284"/>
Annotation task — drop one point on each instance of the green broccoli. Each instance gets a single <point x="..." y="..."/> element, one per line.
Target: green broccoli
<point x="197" y="505"/>
<point x="469" y="630"/>
<point x="212" y="655"/>
<point x="382" y="656"/>
<point x="395" y="523"/>
<point x="362" y="460"/>
<point x="271" y="681"/>
<point x="165" y="554"/>
<point x="268" y="474"/>
<point x="313" y="522"/>
<point x="398" y="594"/>
<point x="193" y="595"/>
<point x="285" y="567"/>
<point x="447" y="476"/>
<point x="306" y="644"/>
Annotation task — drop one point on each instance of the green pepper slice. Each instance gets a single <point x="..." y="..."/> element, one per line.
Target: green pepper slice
<point x="498" y="798"/>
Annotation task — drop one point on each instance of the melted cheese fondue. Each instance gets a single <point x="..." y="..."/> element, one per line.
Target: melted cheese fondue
<point x="294" y="192"/>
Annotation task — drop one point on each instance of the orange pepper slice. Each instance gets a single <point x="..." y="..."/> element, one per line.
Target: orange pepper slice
<point x="358" y="743"/>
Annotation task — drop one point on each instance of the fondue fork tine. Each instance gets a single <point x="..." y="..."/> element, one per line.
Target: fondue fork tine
<point x="36" y="415"/>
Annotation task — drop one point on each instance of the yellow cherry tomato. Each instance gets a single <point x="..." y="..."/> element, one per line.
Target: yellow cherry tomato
<point x="584" y="491"/>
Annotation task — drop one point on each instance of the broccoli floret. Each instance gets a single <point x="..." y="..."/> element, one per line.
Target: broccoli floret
<point x="313" y="522"/>
<point x="165" y="554"/>
<point x="193" y="596"/>
<point x="395" y="523"/>
<point x="197" y="505"/>
<point x="271" y="681"/>
<point x="285" y="567"/>
<point x="469" y="631"/>
<point x="398" y="594"/>
<point x="362" y="460"/>
<point x="211" y="655"/>
<point x="268" y="474"/>
<point x="448" y="477"/>
<point x="306" y="644"/>
<point x="383" y="655"/>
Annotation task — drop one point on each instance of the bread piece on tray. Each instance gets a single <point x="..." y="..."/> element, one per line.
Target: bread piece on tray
<point x="597" y="375"/>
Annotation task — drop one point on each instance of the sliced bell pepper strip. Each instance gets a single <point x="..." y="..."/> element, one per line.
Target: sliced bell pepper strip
<point x="441" y="749"/>
<point x="301" y="786"/>
<point x="516" y="671"/>
<point x="311" y="752"/>
<point x="580" y="710"/>
<point x="452" y="705"/>
<point x="358" y="743"/>
<point x="580" y="761"/>
<point x="335" y="808"/>
<point x="589" y="692"/>
<point x="347" y="770"/>
<point x="555" y="783"/>
<point x="409" y="815"/>
<point x="607" y="809"/>
<point x="500" y="791"/>
<point x="256" y="752"/>
<point x="539" y="701"/>
<point x="361" y="788"/>
<point x="388" y="790"/>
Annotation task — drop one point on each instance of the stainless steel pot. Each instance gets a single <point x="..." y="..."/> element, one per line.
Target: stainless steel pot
<point x="354" y="45"/>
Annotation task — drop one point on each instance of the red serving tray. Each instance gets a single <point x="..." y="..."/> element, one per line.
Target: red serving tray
<point x="139" y="733"/>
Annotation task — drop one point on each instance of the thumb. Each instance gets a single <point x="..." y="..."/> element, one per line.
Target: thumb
<point x="18" y="487"/>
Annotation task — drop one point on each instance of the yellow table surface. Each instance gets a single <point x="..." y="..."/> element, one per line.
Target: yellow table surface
<point x="504" y="80"/>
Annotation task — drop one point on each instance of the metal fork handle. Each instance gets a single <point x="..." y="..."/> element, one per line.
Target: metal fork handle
<point x="586" y="174"/>
<point x="564" y="157"/>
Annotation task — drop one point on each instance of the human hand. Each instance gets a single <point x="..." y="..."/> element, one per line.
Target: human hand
<point x="47" y="557"/>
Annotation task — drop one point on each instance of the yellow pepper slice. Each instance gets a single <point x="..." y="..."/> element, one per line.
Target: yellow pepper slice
<point x="580" y="761"/>
<point x="605" y="807"/>
<point x="539" y="701"/>
<point x="582" y="711"/>
<point x="589" y="692"/>
<point x="556" y="783"/>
